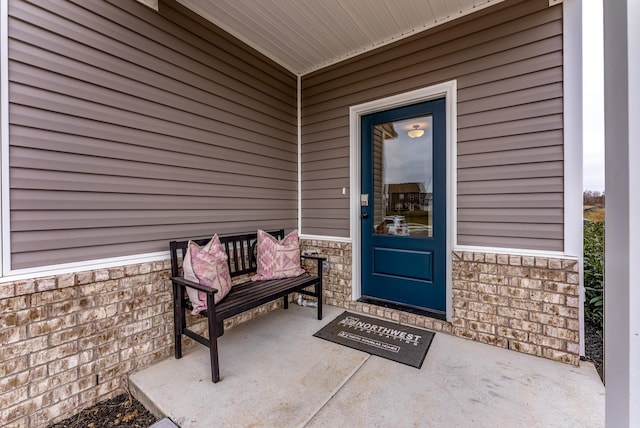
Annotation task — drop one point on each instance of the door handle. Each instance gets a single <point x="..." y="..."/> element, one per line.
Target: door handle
<point x="364" y="215"/>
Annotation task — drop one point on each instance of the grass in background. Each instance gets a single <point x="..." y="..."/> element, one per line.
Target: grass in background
<point x="594" y="214"/>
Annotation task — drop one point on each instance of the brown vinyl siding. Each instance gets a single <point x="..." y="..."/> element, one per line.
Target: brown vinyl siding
<point x="129" y="128"/>
<point x="507" y="61"/>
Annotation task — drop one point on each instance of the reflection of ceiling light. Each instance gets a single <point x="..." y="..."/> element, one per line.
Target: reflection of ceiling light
<point x="415" y="132"/>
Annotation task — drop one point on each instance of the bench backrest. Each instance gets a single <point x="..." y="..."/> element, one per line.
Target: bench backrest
<point x="241" y="250"/>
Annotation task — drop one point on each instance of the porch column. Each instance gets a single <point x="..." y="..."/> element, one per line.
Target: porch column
<point x="622" y="182"/>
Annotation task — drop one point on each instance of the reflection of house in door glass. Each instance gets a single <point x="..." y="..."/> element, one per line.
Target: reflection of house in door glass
<point x="407" y="197"/>
<point x="403" y="173"/>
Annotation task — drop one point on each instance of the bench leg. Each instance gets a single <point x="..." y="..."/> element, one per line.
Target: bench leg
<point x="220" y="328"/>
<point x="213" y="338"/>
<point x="319" y="294"/>
<point x="178" y="319"/>
<point x="215" y="365"/>
<point x="319" y="288"/>
<point x="286" y="301"/>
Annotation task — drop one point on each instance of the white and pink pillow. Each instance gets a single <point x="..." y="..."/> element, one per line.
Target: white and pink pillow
<point x="278" y="259"/>
<point x="206" y="266"/>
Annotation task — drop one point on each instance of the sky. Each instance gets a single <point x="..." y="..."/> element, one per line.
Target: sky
<point x="593" y="98"/>
<point x="408" y="160"/>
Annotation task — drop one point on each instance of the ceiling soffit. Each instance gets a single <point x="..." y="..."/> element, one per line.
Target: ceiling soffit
<point x="306" y="35"/>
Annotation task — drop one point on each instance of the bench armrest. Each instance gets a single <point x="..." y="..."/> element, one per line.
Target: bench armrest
<point x="186" y="283"/>
<point x="313" y="257"/>
<point x="319" y="262"/>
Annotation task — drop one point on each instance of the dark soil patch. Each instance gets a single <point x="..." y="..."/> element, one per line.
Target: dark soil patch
<point x="122" y="411"/>
<point x="593" y="348"/>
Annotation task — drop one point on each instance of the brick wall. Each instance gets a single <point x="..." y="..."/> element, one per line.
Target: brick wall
<point x="525" y="303"/>
<point x="69" y="341"/>
<point x="336" y="283"/>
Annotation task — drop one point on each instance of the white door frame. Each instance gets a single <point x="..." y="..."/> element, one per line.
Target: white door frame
<point x="448" y="90"/>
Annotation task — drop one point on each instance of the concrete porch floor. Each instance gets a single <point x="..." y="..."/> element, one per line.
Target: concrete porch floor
<point x="276" y="374"/>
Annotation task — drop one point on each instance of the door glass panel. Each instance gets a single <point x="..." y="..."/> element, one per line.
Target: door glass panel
<point x="402" y="178"/>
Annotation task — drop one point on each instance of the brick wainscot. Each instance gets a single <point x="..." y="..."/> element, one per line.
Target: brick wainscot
<point x="525" y="303"/>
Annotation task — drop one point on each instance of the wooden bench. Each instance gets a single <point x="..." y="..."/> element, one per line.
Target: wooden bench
<point x="243" y="296"/>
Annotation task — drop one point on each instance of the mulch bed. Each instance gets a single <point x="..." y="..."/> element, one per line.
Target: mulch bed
<point x="123" y="411"/>
<point x="593" y="346"/>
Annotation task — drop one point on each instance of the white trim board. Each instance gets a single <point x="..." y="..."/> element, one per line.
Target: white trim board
<point x="573" y="133"/>
<point x="622" y="237"/>
<point x="326" y="238"/>
<point x="513" y="251"/>
<point x="153" y="4"/>
<point x="448" y="90"/>
<point x="85" y="266"/>
<point x="5" y="224"/>
<point x="299" y="141"/>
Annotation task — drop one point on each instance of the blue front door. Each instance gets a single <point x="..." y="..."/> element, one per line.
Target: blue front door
<point x="403" y="205"/>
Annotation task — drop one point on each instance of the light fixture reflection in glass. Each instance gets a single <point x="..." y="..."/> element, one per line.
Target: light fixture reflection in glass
<point x="415" y="132"/>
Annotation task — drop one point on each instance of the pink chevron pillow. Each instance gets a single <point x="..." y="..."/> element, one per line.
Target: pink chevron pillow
<point x="206" y="266"/>
<point x="278" y="259"/>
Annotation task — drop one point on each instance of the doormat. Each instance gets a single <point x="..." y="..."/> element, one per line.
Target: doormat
<point x="400" y="343"/>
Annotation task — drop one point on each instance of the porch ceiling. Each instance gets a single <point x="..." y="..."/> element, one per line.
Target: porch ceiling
<point x="306" y="35"/>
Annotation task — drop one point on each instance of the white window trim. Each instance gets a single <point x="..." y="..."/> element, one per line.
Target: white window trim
<point x="448" y="90"/>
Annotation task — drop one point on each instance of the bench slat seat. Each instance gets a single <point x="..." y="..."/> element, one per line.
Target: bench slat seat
<point x="242" y="297"/>
<point x="247" y="295"/>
